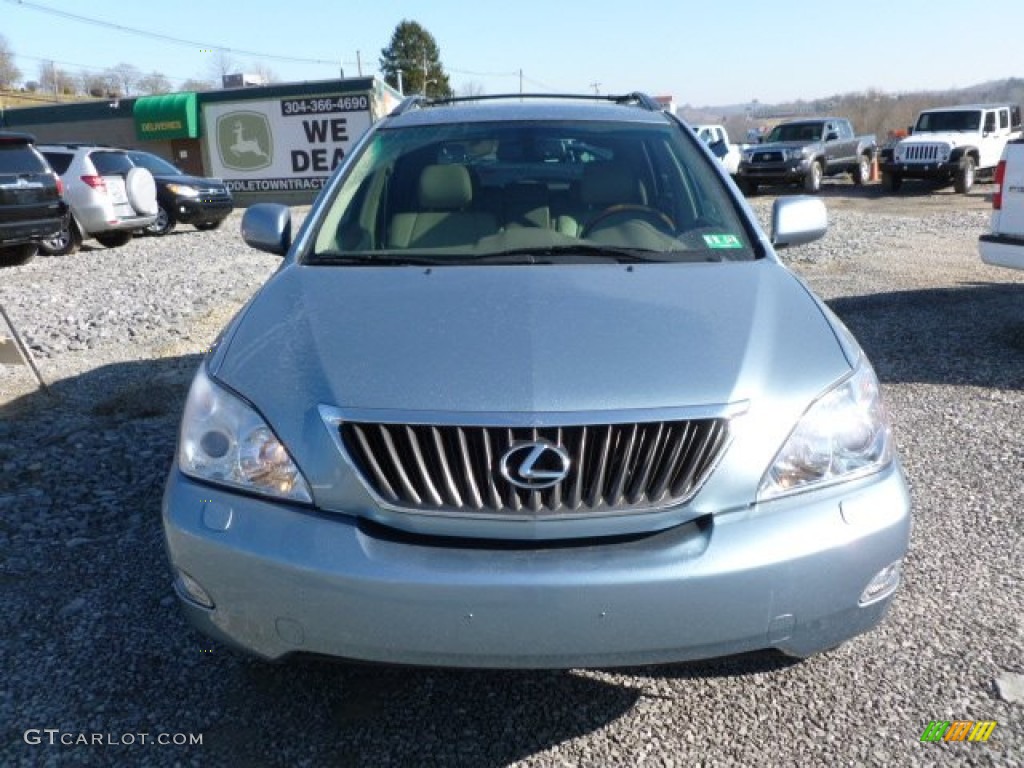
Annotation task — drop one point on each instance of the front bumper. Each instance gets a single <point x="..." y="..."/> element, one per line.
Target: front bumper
<point x="787" y="172"/>
<point x="1002" y="250"/>
<point x="787" y="574"/>
<point x="921" y="170"/>
<point x="198" y="210"/>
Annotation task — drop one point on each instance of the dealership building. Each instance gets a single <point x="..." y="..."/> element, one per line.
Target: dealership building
<point x="269" y="143"/>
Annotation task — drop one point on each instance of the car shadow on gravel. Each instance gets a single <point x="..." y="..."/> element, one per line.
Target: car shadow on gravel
<point x="970" y="335"/>
<point x="98" y="644"/>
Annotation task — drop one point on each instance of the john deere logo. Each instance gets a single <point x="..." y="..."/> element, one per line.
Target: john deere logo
<point x="244" y="141"/>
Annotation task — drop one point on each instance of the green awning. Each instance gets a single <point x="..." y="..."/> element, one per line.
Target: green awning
<point x="170" y="116"/>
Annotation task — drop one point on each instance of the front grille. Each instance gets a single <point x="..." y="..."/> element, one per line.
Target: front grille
<point x="921" y="153"/>
<point x="767" y="157"/>
<point x="612" y="467"/>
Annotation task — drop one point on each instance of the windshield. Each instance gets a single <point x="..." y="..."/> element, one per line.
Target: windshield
<point x="959" y="120"/>
<point x="796" y="132"/>
<point x="529" y="192"/>
<point x="154" y="164"/>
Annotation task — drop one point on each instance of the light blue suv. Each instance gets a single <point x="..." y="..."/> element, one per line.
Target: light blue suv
<point x="532" y="388"/>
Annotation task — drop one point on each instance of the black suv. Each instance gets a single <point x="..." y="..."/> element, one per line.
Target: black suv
<point x="32" y="206"/>
<point x="204" y="203"/>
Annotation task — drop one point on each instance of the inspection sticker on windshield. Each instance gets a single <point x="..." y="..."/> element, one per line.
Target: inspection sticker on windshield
<point x="722" y="241"/>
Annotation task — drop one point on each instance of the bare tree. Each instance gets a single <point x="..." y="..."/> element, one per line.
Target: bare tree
<point x="9" y="72"/>
<point x="194" y="84"/>
<point x="126" y="76"/>
<point x="57" y="81"/>
<point x="470" y="90"/>
<point x="221" y="63"/>
<point x="154" y="83"/>
<point x="265" y="72"/>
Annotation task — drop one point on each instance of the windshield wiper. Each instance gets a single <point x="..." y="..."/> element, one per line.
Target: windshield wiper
<point x="390" y="260"/>
<point x="550" y="253"/>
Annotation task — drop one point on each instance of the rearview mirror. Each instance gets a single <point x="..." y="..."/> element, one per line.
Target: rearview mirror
<point x="268" y="227"/>
<point x="798" y="220"/>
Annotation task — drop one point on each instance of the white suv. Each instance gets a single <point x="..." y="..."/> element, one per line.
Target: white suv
<point x="952" y="144"/>
<point x="1004" y="245"/>
<point x="109" y="196"/>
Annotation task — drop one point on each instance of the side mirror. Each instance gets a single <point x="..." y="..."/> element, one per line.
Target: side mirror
<point x="831" y="136"/>
<point x="910" y="130"/>
<point x="798" y="220"/>
<point x="268" y="227"/>
<point x="718" y="149"/>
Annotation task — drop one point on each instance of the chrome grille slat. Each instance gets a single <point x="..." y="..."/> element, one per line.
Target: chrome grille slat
<point x="619" y="467"/>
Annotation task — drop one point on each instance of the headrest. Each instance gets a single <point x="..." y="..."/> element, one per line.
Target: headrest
<point x="445" y="186"/>
<point x="606" y="184"/>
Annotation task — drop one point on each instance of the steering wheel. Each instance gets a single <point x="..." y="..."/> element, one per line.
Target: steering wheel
<point x="659" y="217"/>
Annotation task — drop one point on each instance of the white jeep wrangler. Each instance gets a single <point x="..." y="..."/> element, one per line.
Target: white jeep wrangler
<point x="956" y="144"/>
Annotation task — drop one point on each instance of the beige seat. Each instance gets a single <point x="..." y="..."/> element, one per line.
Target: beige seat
<point x="444" y="195"/>
<point x="602" y="186"/>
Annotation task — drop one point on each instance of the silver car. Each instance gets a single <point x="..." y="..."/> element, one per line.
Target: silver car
<point x="109" y="196"/>
<point x="532" y="389"/>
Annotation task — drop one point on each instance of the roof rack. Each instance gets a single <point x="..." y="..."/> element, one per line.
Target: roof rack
<point x="636" y="97"/>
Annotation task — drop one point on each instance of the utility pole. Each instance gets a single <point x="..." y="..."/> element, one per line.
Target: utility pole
<point x="359" y="64"/>
<point x="597" y="88"/>
<point x="424" y="73"/>
<point x="520" y="83"/>
<point x="400" y="89"/>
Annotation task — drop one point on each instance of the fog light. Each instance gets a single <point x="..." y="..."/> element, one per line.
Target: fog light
<point x="883" y="584"/>
<point x="190" y="589"/>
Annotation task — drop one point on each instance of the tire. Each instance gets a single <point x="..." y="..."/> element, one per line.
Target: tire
<point x="141" y="190"/>
<point x="748" y="187"/>
<point x="812" y="181"/>
<point x="64" y="242"/>
<point x="206" y="226"/>
<point x="164" y="223"/>
<point x="862" y="173"/>
<point x="892" y="181"/>
<point x="114" y="239"/>
<point x="965" y="176"/>
<point x="16" y="255"/>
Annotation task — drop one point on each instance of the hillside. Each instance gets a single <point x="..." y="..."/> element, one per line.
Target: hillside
<point x="871" y="111"/>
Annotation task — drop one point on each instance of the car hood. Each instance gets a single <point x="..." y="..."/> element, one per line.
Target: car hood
<point x="528" y="339"/>
<point x="953" y="138"/>
<point x="775" y="146"/>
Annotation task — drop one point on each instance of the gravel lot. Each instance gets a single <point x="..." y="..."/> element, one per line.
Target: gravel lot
<point x="93" y="642"/>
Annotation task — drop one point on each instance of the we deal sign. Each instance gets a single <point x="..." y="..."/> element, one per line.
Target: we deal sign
<point x="286" y="145"/>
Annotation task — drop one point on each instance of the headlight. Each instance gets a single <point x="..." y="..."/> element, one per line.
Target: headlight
<point x="942" y="154"/>
<point x="795" y="154"/>
<point x="748" y="156"/>
<point x="843" y="435"/>
<point x="223" y="440"/>
<point x="899" y="152"/>
<point x="184" y="190"/>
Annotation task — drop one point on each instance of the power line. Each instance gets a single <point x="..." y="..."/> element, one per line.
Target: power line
<point x="165" y="38"/>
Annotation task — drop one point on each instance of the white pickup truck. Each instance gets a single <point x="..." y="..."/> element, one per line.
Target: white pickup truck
<point x="717" y="139"/>
<point x="1004" y="245"/>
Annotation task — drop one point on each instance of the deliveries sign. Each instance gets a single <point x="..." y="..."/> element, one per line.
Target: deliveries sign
<point x="283" y="144"/>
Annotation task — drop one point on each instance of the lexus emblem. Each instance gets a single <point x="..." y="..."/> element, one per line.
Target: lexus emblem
<point x="535" y="465"/>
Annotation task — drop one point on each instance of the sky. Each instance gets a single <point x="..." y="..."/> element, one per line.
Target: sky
<point x="708" y="54"/>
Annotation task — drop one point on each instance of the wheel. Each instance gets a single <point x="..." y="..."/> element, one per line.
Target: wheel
<point x="892" y="181"/>
<point x="965" y="176"/>
<point x="114" y="239"/>
<point x="141" y="190"/>
<point x="862" y="173"/>
<point x="64" y="242"/>
<point x="644" y="211"/>
<point x="812" y="181"/>
<point x="748" y="187"/>
<point x="205" y="226"/>
<point x="163" y="224"/>
<point x="17" y="255"/>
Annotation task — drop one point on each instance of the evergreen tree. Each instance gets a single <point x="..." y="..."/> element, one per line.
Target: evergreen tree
<point x="414" y="52"/>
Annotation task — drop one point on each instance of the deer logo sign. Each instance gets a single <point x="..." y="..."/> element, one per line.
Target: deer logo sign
<point x="244" y="141"/>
